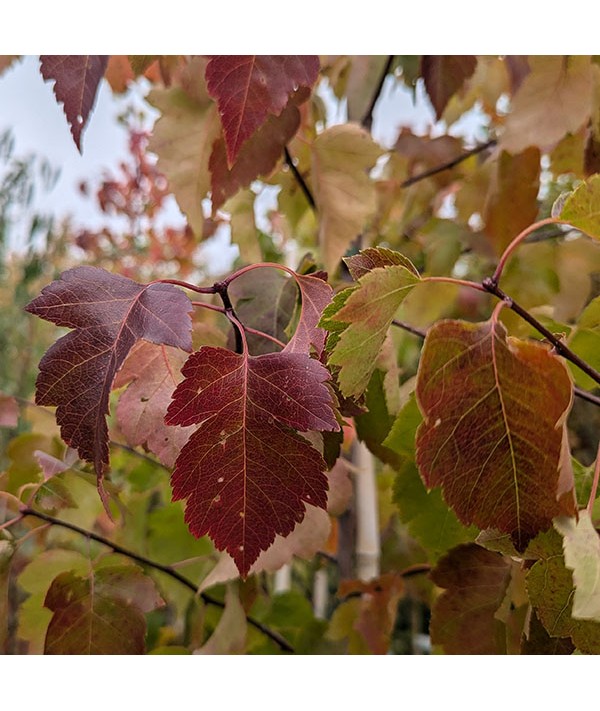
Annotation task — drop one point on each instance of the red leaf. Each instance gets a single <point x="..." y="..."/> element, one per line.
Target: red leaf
<point x="257" y="157"/>
<point x="245" y="472"/>
<point x="109" y="314"/>
<point x="494" y="412"/>
<point x="250" y="88"/>
<point x="152" y="373"/>
<point x="444" y="75"/>
<point x="76" y="82"/>
<point x="316" y="295"/>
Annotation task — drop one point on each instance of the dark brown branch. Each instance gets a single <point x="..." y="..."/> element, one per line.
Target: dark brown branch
<point x="561" y="348"/>
<point x="411" y="329"/>
<point x="450" y="164"/>
<point x="367" y="119"/>
<point x="166" y="569"/>
<point x="299" y="179"/>
<point x="585" y="395"/>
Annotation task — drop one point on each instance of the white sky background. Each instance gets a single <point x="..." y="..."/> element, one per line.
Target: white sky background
<point x="39" y="127"/>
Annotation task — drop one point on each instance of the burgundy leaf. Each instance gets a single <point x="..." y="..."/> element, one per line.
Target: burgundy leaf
<point x="250" y="88"/>
<point x="245" y="472"/>
<point x="444" y="75"/>
<point x="76" y="82"/>
<point x="109" y="314"/>
<point x="316" y="295"/>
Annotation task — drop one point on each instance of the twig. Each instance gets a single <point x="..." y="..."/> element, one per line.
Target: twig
<point x="594" y="490"/>
<point x="166" y="569"/>
<point x="299" y="179"/>
<point x="585" y="395"/>
<point x="450" y="164"/>
<point x="407" y="327"/>
<point x="367" y="119"/>
<point x="490" y="285"/>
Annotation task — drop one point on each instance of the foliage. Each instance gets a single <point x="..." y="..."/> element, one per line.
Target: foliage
<point x="453" y="334"/>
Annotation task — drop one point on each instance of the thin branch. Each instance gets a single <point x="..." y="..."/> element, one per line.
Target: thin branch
<point x="450" y="164"/>
<point x="299" y="179"/>
<point x="490" y="285"/>
<point x="198" y="289"/>
<point x="367" y="119"/>
<point x="166" y="569"/>
<point x="594" y="490"/>
<point x="457" y="282"/>
<point x="517" y="241"/>
<point x="411" y="329"/>
<point x="262" y="334"/>
<point x="141" y="455"/>
<point x="585" y="395"/>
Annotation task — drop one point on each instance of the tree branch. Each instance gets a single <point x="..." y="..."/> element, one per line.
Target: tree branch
<point x="561" y="348"/>
<point x="299" y="179"/>
<point x="166" y="569"/>
<point x="367" y="119"/>
<point x="450" y="164"/>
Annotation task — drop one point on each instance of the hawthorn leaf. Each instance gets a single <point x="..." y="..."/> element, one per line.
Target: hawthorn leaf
<point x="257" y="157"/>
<point x="102" y="613"/>
<point x="512" y="204"/>
<point x="248" y="89"/>
<point x="152" y="373"/>
<point x="9" y="411"/>
<point x="554" y="98"/>
<point x="109" y="314"/>
<point x="245" y="472"/>
<point x="76" y="80"/>
<point x="342" y="157"/>
<point x="582" y="207"/>
<point x="183" y="139"/>
<point x="315" y="294"/>
<point x="463" y="618"/>
<point x="581" y="546"/>
<point x="444" y="75"/>
<point x="360" y="317"/>
<point x="494" y="411"/>
<point x="550" y="589"/>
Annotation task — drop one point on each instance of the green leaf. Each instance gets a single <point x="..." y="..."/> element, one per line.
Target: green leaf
<point x="492" y="437"/>
<point x="373" y="426"/>
<point x="360" y="321"/>
<point x="550" y="589"/>
<point x="582" y="207"/>
<point x="581" y="546"/>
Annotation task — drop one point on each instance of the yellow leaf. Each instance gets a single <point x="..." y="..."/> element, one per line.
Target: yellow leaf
<point x="345" y="195"/>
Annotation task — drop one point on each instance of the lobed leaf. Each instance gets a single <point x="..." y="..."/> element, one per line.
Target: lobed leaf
<point x="492" y="437"/>
<point x="245" y="472"/>
<point x="152" y="373"/>
<point x="248" y="89"/>
<point x="102" y="613"/>
<point x="76" y="80"/>
<point x="359" y="318"/>
<point x="108" y="313"/>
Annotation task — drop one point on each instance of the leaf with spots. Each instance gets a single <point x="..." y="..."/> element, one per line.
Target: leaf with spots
<point x="248" y="89"/>
<point x="76" y="80"/>
<point x="246" y="472"/>
<point x="100" y="613"/>
<point x="494" y="411"/>
<point x="109" y="314"/>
